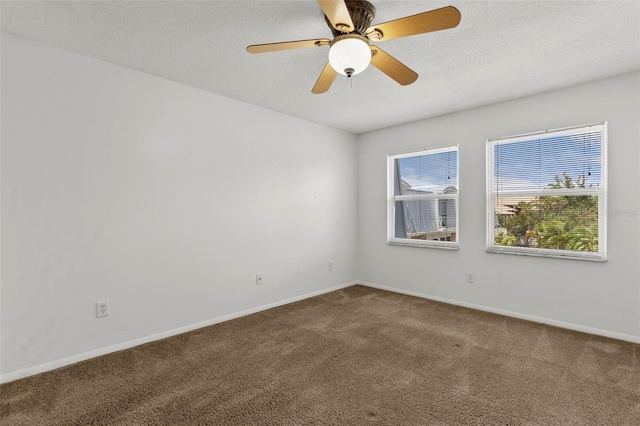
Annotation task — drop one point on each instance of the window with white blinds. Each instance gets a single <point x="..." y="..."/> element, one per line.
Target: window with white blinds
<point x="547" y="193"/>
<point x="423" y="198"/>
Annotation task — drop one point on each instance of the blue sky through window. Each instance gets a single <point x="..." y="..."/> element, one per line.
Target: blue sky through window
<point x="533" y="164"/>
<point x="430" y="172"/>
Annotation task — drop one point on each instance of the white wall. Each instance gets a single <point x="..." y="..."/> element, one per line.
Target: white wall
<point x="164" y="199"/>
<point x="599" y="297"/>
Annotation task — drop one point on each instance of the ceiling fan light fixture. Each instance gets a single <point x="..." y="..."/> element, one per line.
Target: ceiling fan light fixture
<point x="350" y="54"/>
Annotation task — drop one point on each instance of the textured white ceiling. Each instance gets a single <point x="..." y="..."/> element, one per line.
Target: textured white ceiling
<point x="501" y="50"/>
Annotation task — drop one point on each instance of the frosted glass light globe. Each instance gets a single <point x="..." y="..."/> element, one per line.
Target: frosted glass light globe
<point x="350" y="52"/>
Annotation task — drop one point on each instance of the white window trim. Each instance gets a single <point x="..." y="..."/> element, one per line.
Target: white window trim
<point x="392" y="198"/>
<point x="601" y="255"/>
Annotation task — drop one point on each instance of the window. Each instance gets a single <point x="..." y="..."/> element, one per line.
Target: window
<point x="547" y="193"/>
<point x="423" y="198"/>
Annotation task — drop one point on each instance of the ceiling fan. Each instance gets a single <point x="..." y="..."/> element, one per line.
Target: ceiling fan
<point x="351" y="51"/>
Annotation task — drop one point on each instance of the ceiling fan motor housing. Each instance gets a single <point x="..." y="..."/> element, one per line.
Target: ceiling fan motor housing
<point x="362" y="13"/>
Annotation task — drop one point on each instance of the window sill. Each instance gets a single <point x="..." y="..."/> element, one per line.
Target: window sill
<point x="556" y="254"/>
<point x="425" y="244"/>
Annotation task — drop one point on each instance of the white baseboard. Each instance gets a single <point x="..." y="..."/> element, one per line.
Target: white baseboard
<point x="533" y="318"/>
<point x="52" y="365"/>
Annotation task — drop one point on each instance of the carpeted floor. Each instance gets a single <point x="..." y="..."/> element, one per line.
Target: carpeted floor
<point x="357" y="356"/>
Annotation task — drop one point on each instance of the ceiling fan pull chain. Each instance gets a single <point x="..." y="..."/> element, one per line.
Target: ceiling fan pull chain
<point x="349" y="73"/>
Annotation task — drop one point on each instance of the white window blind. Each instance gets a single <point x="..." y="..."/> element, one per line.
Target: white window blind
<point x="423" y="198"/>
<point x="547" y="193"/>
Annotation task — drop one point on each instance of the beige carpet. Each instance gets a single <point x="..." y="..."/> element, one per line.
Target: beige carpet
<point x="358" y="356"/>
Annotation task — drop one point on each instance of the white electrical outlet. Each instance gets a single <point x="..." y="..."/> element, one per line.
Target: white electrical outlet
<point x="330" y="266"/>
<point x="471" y="277"/>
<point x="102" y="309"/>
<point x="259" y="280"/>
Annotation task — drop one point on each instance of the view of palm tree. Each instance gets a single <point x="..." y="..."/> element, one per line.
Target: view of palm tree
<point x="561" y="222"/>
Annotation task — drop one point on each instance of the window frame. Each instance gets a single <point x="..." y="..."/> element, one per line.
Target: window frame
<point x="601" y="193"/>
<point x="392" y="198"/>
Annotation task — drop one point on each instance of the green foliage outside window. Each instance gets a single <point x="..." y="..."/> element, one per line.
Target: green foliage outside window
<point x="564" y="222"/>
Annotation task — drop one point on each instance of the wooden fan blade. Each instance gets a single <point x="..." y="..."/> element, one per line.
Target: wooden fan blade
<point x="325" y="80"/>
<point x="287" y="45"/>
<point x="434" y="20"/>
<point x="392" y="67"/>
<point x="338" y="14"/>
